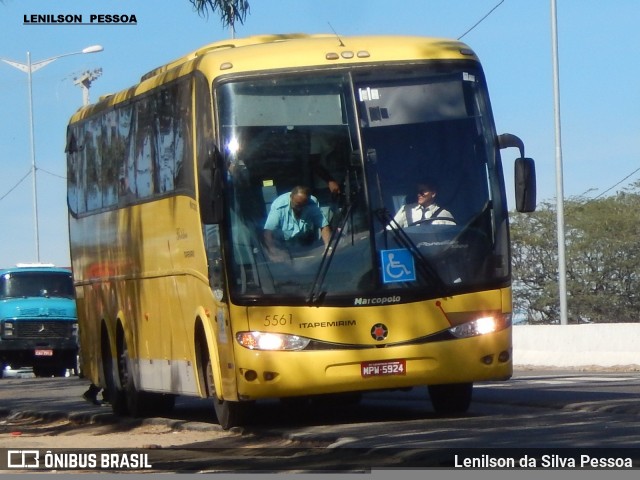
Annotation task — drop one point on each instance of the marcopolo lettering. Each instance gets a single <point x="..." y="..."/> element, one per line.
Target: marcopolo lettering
<point x="376" y="300"/>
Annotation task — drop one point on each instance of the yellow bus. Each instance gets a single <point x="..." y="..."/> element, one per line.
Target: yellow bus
<point x="173" y="182"/>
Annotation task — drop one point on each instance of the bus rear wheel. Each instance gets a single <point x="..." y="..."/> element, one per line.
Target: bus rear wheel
<point x="136" y="401"/>
<point x="229" y="414"/>
<point x="140" y="403"/>
<point x="117" y="397"/>
<point x="451" y="398"/>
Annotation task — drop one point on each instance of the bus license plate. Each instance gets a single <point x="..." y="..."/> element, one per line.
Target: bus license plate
<point x="377" y="369"/>
<point x="44" y="353"/>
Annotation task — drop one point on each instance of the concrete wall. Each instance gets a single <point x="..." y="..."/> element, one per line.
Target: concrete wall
<point x="577" y="346"/>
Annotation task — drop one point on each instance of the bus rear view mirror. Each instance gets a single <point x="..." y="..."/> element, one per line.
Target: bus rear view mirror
<point x="524" y="172"/>
<point x="525" y="184"/>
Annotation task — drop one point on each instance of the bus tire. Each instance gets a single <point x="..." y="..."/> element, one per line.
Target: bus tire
<point x="229" y="414"/>
<point x="451" y="398"/>
<point x="136" y="401"/>
<point x="139" y="404"/>
<point x="117" y="397"/>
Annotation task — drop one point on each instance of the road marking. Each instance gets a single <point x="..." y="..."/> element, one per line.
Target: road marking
<point x="604" y="379"/>
<point x="560" y="380"/>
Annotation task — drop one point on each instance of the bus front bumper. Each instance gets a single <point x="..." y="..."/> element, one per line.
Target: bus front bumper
<point x="264" y="374"/>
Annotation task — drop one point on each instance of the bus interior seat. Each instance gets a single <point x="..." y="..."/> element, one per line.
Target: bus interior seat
<point x="269" y="194"/>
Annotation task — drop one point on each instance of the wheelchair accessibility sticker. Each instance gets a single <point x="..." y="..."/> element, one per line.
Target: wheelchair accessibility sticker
<point x="397" y="266"/>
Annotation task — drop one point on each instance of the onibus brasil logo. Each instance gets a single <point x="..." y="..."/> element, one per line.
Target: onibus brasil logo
<point x="35" y="459"/>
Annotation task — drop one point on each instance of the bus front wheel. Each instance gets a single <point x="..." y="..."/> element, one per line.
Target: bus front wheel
<point x="229" y="414"/>
<point x="451" y="398"/>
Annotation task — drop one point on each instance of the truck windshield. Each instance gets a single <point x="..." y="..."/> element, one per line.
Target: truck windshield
<point x="368" y="146"/>
<point x="36" y="284"/>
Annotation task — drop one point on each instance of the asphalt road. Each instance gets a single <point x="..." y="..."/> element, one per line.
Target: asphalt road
<point x="572" y="412"/>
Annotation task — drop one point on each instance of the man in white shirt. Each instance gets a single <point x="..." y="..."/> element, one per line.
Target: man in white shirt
<point x="424" y="211"/>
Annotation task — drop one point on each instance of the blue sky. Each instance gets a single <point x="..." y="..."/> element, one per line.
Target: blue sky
<point x="599" y="44"/>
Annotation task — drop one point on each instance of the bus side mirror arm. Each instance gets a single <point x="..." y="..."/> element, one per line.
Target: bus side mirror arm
<point x="507" y="140"/>
<point x="524" y="174"/>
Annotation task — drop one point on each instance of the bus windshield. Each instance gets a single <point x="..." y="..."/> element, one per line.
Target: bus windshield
<point x="400" y="163"/>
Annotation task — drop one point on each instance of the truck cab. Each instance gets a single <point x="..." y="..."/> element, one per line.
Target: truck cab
<point x="38" y="320"/>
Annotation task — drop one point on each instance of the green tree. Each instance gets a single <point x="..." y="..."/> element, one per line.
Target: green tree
<point x="534" y="264"/>
<point x="231" y="11"/>
<point x="602" y="260"/>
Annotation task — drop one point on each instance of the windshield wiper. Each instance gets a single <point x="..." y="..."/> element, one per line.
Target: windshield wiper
<point x="316" y="298"/>
<point x="424" y="265"/>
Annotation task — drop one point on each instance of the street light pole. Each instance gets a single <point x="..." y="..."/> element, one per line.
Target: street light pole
<point x="33" y="157"/>
<point x="562" y="263"/>
<point x="29" y="68"/>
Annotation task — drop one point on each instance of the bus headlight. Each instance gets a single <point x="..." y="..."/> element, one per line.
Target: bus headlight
<point x="271" y="341"/>
<point x="482" y="326"/>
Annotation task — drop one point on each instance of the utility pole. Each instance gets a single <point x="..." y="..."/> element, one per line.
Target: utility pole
<point x="562" y="264"/>
<point x="84" y="82"/>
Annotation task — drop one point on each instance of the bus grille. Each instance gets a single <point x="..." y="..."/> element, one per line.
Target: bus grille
<point x="43" y="329"/>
